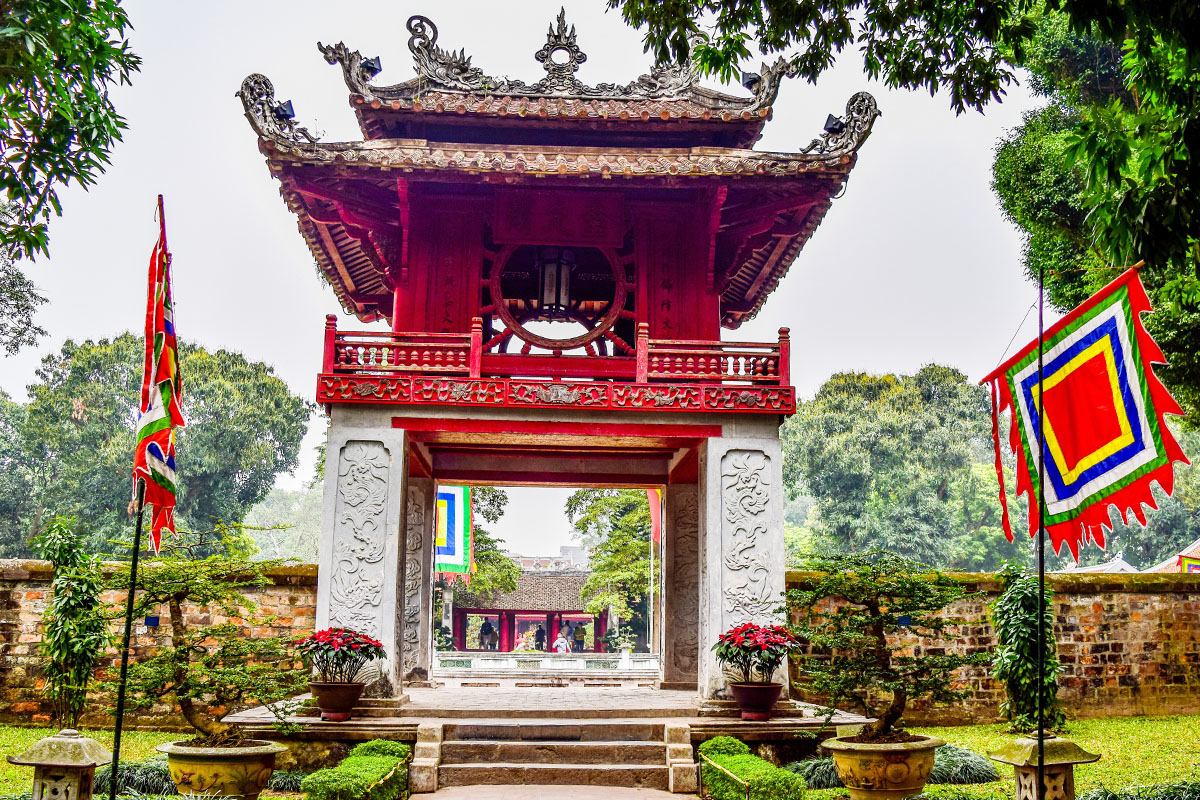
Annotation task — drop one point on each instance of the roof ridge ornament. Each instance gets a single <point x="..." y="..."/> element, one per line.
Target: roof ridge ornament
<point x="560" y="75"/>
<point x="844" y="135"/>
<point x="270" y="119"/>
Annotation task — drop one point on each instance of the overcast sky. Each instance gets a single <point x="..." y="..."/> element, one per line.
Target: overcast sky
<point x="914" y="264"/>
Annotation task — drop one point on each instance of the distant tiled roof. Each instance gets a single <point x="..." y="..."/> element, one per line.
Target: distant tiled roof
<point x="1172" y="564"/>
<point x="536" y="591"/>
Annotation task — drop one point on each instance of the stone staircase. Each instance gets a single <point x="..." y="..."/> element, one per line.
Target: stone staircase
<point x="633" y="753"/>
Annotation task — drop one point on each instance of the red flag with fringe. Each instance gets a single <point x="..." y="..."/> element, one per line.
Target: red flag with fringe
<point x="1105" y="437"/>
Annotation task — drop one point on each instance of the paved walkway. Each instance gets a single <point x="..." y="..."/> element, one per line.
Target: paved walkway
<point x="549" y="793"/>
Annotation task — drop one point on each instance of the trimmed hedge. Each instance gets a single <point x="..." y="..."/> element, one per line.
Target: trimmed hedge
<point x="767" y="781"/>
<point x="375" y="770"/>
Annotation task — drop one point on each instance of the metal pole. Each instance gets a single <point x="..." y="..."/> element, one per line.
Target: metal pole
<point x="133" y="565"/>
<point x="1041" y="546"/>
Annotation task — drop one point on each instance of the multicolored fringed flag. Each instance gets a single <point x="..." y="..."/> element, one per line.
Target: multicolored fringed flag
<point x="1105" y="437"/>
<point x="154" y="457"/>
<point x="455" y="554"/>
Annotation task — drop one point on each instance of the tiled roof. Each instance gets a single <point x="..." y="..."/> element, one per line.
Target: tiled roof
<point x="536" y="591"/>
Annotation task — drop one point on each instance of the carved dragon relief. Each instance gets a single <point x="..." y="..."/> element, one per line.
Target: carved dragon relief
<point x="745" y="497"/>
<point x="264" y="113"/>
<point x="414" y="539"/>
<point x="685" y="578"/>
<point x="360" y="537"/>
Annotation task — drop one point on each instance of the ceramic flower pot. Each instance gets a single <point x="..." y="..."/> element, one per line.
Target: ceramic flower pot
<point x="336" y="700"/>
<point x="230" y="772"/>
<point x="883" y="771"/>
<point x="755" y="700"/>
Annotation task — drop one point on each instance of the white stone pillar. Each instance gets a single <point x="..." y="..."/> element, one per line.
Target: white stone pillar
<point x="742" y="559"/>
<point x="417" y="618"/>
<point x="361" y="549"/>
<point x="681" y="586"/>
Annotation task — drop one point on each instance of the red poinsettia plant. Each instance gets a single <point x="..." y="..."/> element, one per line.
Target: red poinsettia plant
<point x="753" y="651"/>
<point x="338" y="654"/>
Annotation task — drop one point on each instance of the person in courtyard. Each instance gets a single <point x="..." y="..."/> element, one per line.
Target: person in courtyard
<point x="580" y="637"/>
<point x="485" y="634"/>
<point x="561" y="645"/>
<point x="539" y="638"/>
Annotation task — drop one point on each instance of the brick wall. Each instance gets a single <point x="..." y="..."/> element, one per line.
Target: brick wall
<point x="25" y="595"/>
<point x="1129" y="645"/>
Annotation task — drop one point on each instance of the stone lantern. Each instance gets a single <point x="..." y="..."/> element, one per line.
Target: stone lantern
<point x="1061" y="757"/>
<point x="63" y="765"/>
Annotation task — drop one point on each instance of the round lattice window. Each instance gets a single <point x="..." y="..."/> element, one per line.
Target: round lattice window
<point x="537" y="283"/>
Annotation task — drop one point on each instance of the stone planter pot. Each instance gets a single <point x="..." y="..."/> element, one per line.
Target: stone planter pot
<point x="240" y="772"/>
<point x="756" y="699"/>
<point x="336" y="700"/>
<point x="883" y="771"/>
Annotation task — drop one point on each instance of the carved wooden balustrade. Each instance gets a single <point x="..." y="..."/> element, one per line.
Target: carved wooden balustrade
<point x="655" y="360"/>
<point x="372" y="366"/>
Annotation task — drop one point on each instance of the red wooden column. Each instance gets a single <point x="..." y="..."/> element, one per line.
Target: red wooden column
<point x="503" y="619"/>
<point x="599" y="628"/>
<point x="460" y="629"/>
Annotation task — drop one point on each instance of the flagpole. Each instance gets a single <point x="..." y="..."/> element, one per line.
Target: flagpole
<point x="129" y="601"/>
<point x="1041" y="545"/>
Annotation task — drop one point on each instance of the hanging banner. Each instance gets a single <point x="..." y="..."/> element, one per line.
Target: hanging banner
<point x="455" y="553"/>
<point x="1105" y="437"/>
<point x="1189" y="564"/>
<point x="654" y="497"/>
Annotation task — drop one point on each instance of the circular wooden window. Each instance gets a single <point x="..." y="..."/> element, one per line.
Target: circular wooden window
<point x="598" y="291"/>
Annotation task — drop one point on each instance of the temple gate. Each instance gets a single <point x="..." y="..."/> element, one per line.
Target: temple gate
<point x="555" y="263"/>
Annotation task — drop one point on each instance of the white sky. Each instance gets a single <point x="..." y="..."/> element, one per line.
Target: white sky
<point x="914" y="264"/>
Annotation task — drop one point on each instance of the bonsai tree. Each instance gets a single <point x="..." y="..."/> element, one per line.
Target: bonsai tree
<point x="855" y="614"/>
<point x="211" y="668"/>
<point x="1015" y="618"/>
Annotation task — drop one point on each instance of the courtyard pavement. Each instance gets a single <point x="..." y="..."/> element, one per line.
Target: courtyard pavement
<point x="549" y="793"/>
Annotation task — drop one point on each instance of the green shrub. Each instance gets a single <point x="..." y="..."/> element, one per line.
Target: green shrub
<point x="818" y="773"/>
<point x="382" y="747"/>
<point x="724" y="746"/>
<point x="139" y="777"/>
<point x="767" y="782"/>
<point x="284" y="781"/>
<point x="374" y="770"/>
<point x="954" y="764"/>
<point x="951" y="765"/>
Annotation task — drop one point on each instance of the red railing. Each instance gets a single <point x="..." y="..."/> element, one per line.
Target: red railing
<point x="655" y="360"/>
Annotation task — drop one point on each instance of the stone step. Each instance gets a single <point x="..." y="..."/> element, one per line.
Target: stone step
<point x="505" y="774"/>
<point x="553" y="730"/>
<point x="541" y="710"/>
<point x="551" y="752"/>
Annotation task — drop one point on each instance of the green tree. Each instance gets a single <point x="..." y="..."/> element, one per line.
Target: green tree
<point x="900" y="463"/>
<point x="19" y="300"/>
<point x="287" y="524"/>
<point x="76" y="632"/>
<point x="614" y="525"/>
<point x="1015" y="616"/>
<point x="16" y="481"/>
<point x="57" y="123"/>
<point x="1048" y="186"/>
<point x="77" y="435"/>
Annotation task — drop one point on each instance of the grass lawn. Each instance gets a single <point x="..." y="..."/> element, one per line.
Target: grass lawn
<point x="135" y="745"/>
<point x="1134" y="750"/>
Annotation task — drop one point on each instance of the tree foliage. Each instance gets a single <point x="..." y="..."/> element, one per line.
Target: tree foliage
<point x="849" y="659"/>
<point x="75" y="632"/>
<point x="209" y="669"/>
<point x="1015" y="617"/>
<point x="614" y="525"/>
<point x="75" y="438"/>
<point x="900" y="463"/>
<point x="19" y="300"/>
<point x="57" y="124"/>
<point x="1103" y="176"/>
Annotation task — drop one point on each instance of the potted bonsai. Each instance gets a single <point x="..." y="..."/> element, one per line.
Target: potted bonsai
<point x="338" y="655"/>
<point x="750" y="654"/>
<point x="867" y="621"/>
<point x="208" y="669"/>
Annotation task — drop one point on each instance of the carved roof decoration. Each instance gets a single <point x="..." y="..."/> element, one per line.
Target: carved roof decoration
<point x="447" y="80"/>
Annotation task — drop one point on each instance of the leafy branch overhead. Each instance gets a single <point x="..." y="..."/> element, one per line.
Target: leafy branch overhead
<point x="57" y="123"/>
